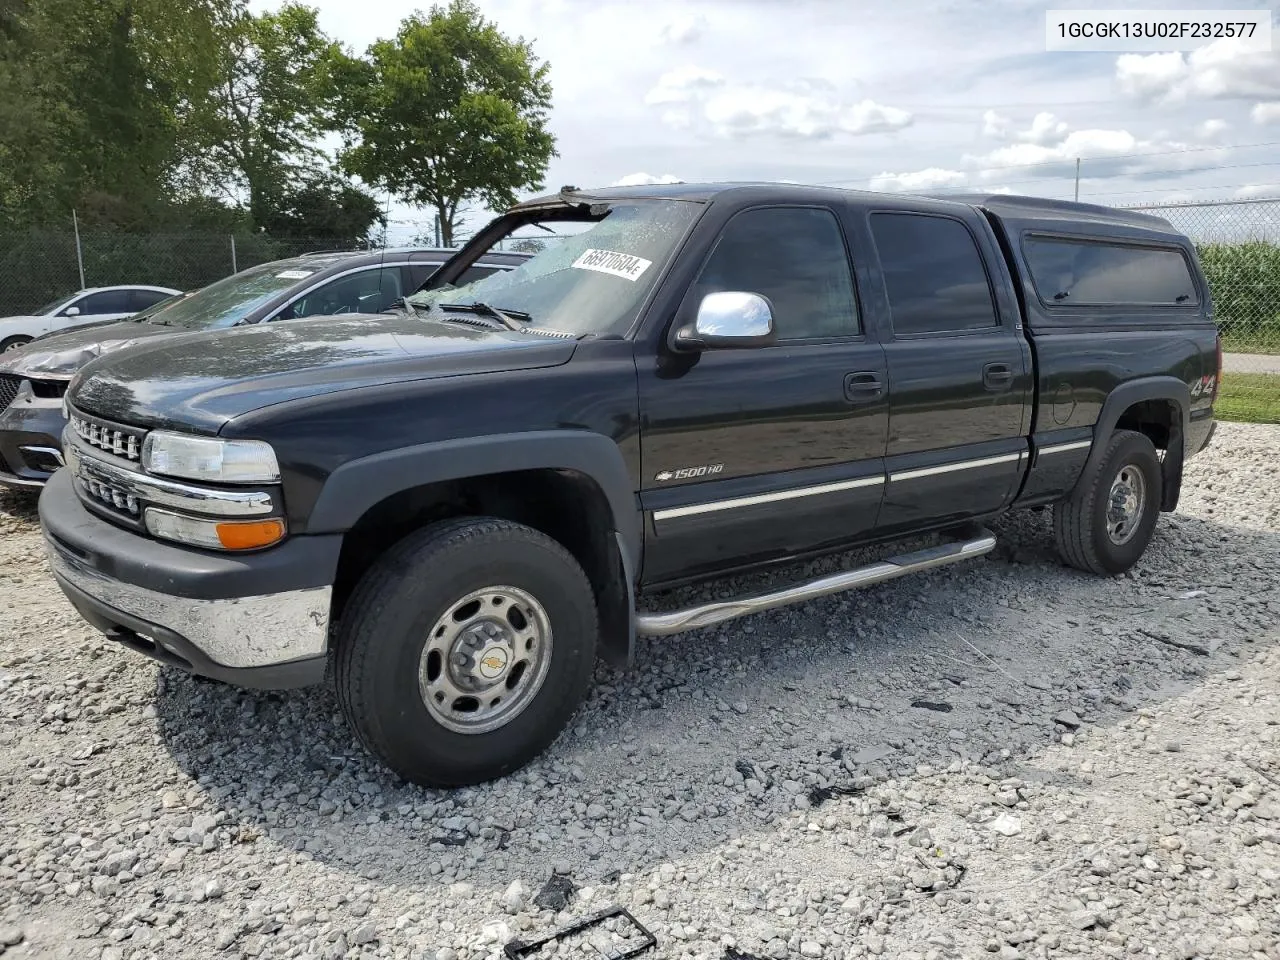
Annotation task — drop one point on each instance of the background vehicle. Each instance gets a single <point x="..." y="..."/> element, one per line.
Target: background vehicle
<point x="707" y="379"/>
<point x="88" y="306"/>
<point x="33" y="380"/>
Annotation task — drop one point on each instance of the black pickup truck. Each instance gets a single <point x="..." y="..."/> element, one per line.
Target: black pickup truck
<point x="459" y="504"/>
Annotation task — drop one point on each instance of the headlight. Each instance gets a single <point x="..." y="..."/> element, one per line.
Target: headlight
<point x="204" y="458"/>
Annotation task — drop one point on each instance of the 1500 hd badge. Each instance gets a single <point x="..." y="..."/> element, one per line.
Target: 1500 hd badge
<point x="689" y="473"/>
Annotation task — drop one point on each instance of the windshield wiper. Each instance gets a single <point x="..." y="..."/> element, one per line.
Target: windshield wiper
<point x="511" y="319"/>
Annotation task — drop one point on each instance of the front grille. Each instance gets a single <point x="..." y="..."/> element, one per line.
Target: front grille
<point x="116" y="440"/>
<point x="9" y="385"/>
<point x="112" y="496"/>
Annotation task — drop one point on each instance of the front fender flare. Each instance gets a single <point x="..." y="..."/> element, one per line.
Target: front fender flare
<point x="360" y="484"/>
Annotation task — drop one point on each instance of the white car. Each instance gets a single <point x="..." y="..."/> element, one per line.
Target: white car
<point x="92" y="305"/>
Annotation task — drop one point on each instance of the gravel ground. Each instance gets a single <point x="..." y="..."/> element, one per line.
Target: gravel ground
<point x="1004" y="759"/>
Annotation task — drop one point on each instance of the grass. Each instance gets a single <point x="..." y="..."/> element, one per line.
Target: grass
<point x="1249" y="398"/>
<point x="1253" y="342"/>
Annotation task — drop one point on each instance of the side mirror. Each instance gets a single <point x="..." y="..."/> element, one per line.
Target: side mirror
<point x="729" y="319"/>
<point x="71" y="312"/>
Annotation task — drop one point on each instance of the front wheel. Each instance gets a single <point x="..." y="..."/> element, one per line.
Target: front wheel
<point x="465" y="650"/>
<point x="13" y="343"/>
<point x="1105" y="525"/>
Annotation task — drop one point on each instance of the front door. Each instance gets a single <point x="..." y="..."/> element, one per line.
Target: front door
<point x="960" y="375"/>
<point x="770" y="451"/>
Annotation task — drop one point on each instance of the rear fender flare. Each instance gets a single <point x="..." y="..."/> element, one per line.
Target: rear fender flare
<point x="1121" y="399"/>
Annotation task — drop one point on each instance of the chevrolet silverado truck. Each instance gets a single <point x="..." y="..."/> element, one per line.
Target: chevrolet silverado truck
<point x="460" y="505"/>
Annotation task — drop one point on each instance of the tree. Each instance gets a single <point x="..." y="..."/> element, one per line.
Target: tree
<point x="95" y="99"/>
<point x="323" y="206"/>
<point x="270" y="106"/>
<point x="450" y="111"/>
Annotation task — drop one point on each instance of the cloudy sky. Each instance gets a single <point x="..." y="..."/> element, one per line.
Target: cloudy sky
<point x="938" y="94"/>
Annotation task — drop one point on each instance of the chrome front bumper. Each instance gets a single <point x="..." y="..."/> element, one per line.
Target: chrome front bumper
<point x="240" y="633"/>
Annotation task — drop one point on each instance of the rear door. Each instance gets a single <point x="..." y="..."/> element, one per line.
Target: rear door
<point x="960" y="377"/>
<point x="775" y="450"/>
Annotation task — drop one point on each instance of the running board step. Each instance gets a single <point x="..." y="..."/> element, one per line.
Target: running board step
<point x="677" y="621"/>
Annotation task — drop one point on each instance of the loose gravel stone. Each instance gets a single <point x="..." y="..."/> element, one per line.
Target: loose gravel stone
<point x="764" y="786"/>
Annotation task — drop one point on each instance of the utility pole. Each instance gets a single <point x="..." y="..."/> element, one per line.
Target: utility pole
<point x="75" y="225"/>
<point x="1077" y="179"/>
<point x="234" y="266"/>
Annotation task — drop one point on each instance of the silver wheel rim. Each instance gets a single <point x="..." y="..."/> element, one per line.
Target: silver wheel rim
<point x="485" y="659"/>
<point x="15" y="346"/>
<point x="1126" y="504"/>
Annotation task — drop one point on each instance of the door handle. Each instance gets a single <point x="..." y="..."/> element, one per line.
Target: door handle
<point x="863" y="387"/>
<point x="997" y="376"/>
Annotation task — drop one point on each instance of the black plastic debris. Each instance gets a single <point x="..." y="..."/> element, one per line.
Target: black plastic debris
<point x="932" y="705"/>
<point x="517" y="949"/>
<point x="732" y="954"/>
<point x="820" y="795"/>
<point x="903" y="831"/>
<point x="555" y="893"/>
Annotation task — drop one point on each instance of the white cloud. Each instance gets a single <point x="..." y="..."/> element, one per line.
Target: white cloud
<point x="1045" y="130"/>
<point x="995" y="125"/>
<point x="683" y="29"/>
<point x="1212" y="129"/>
<point x="1266" y="112"/>
<point x="644" y="179"/>
<point x="1219" y="71"/>
<point x="682" y="85"/>
<point x="1257" y="191"/>
<point x="803" y="108"/>
<point x="917" y="180"/>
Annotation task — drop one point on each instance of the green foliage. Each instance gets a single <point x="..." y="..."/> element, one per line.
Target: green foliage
<point x="97" y="98"/>
<point x="1244" y="280"/>
<point x="450" y="111"/>
<point x="153" y="114"/>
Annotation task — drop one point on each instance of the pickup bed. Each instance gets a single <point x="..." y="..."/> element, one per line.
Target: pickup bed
<point x="459" y="503"/>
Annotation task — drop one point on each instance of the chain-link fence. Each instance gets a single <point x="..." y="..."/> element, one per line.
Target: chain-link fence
<point x="1239" y="244"/>
<point x="40" y="265"/>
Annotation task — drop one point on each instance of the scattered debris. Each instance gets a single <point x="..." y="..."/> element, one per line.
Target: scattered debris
<point x="820" y="795"/>
<point x="555" y="893"/>
<point x="522" y="948"/>
<point x="932" y="705"/>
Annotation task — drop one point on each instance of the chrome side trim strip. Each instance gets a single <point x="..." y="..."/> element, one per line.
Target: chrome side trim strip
<point x="951" y="467"/>
<point x="665" y="624"/>
<point x="736" y="502"/>
<point x="153" y="490"/>
<point x="1064" y="447"/>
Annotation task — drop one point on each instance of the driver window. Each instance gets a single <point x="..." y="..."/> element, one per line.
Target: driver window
<point x="370" y="291"/>
<point x="794" y="256"/>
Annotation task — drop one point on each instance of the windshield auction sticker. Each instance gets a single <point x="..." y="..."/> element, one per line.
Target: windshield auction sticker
<point x="615" y="264"/>
<point x="294" y="274"/>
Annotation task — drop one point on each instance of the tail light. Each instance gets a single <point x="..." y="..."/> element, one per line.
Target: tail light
<point x="1217" y="377"/>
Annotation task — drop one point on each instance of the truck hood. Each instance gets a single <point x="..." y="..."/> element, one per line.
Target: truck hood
<point x="200" y="380"/>
<point x="57" y="356"/>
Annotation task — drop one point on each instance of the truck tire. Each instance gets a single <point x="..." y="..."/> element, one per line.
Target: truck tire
<point x="465" y="650"/>
<point x="1105" y="525"/>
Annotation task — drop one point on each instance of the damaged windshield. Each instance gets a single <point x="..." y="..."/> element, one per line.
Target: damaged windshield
<point x="590" y="282"/>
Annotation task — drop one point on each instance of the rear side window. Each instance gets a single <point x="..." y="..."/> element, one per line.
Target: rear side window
<point x="141" y="299"/>
<point x="934" y="274"/>
<point x="1075" y="272"/>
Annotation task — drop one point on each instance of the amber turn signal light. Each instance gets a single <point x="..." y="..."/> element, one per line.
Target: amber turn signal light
<point x="250" y="534"/>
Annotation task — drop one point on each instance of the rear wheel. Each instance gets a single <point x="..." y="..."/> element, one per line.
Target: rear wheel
<point x="465" y="650"/>
<point x="13" y="343"/>
<point x="1105" y="525"/>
